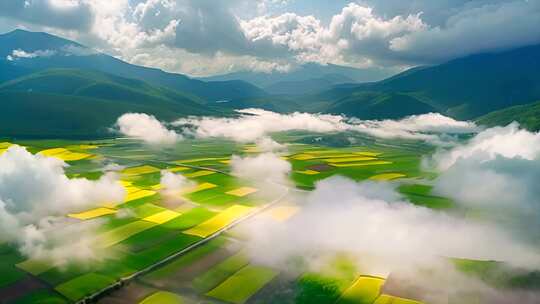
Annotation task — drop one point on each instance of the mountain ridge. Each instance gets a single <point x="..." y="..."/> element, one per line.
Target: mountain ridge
<point x="85" y="58"/>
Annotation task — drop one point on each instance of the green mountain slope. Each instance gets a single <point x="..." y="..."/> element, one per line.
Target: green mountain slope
<point x="374" y="105"/>
<point x="308" y="71"/>
<point x="41" y="115"/>
<point x="307" y="78"/>
<point x="67" y="103"/>
<point x="527" y="116"/>
<point x="69" y="54"/>
<point x="10" y="71"/>
<point x="305" y="86"/>
<point x="464" y="88"/>
<point x="104" y="86"/>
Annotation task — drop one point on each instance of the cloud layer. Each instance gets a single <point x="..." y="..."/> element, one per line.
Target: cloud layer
<point x="254" y="124"/>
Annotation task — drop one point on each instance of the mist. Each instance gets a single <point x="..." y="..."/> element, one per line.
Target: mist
<point x="35" y="196"/>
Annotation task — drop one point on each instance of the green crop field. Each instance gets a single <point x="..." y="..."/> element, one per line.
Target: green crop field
<point x="165" y="243"/>
<point x="82" y="286"/>
<point x="239" y="287"/>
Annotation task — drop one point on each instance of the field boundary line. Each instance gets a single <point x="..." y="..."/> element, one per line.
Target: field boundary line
<point x="122" y="281"/>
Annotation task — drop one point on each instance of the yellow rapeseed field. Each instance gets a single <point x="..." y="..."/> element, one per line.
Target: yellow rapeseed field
<point x="162" y="217"/>
<point x="219" y="221"/>
<point x="363" y="290"/>
<point x="117" y="235"/>
<point x="348" y="159"/>
<point x="308" y="172"/>
<point x="241" y="192"/>
<point x="200" y="173"/>
<point x="387" y="299"/>
<point x="4" y="146"/>
<point x="178" y="169"/>
<point x="304" y="156"/>
<point x="64" y="154"/>
<point x="140" y="170"/>
<point x="199" y="187"/>
<point x="90" y="214"/>
<point x="387" y="176"/>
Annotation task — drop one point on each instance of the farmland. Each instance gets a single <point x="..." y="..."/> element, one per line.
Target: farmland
<point x="188" y="248"/>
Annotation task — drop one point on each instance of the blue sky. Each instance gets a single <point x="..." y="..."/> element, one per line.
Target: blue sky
<point x="207" y="37"/>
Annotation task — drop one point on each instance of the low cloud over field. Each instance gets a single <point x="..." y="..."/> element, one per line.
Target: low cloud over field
<point x="388" y="234"/>
<point x="257" y="125"/>
<point x="372" y="218"/>
<point x="146" y="128"/>
<point x="494" y="176"/>
<point x="173" y="184"/>
<point x="253" y="124"/>
<point x="267" y="171"/>
<point x="35" y="195"/>
<point x="497" y="172"/>
<point x="266" y="167"/>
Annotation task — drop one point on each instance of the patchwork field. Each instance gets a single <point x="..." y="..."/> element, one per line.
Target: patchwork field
<point x="184" y="247"/>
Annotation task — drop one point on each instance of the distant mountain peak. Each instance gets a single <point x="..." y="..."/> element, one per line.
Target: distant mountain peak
<point x="306" y="77"/>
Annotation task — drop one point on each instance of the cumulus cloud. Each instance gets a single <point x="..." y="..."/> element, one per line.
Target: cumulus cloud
<point x="265" y="167"/>
<point x="355" y="32"/>
<point x="35" y="194"/>
<point x="508" y="142"/>
<point x="387" y="234"/>
<point x="217" y="34"/>
<point x="254" y="124"/>
<point x="174" y="183"/>
<point x="146" y="128"/>
<point x="267" y="171"/>
<point x="431" y="127"/>
<point x="371" y="218"/>
<point x="267" y="144"/>
<point x="496" y="173"/>
<point x="16" y="54"/>
<point x="65" y="14"/>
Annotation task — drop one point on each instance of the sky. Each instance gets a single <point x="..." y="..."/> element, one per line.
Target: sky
<point x="209" y="37"/>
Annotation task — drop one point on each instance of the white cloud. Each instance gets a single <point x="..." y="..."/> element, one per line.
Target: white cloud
<point x="64" y="14"/>
<point x="509" y="142"/>
<point x="146" y="128"/>
<point x="370" y="219"/>
<point x="223" y="39"/>
<point x="490" y="27"/>
<point x="254" y="124"/>
<point x="356" y="32"/>
<point x="431" y="127"/>
<point x="74" y="50"/>
<point x="16" y="54"/>
<point x="265" y="167"/>
<point x="496" y="172"/>
<point x="35" y="195"/>
<point x="174" y="183"/>
<point x="267" y="172"/>
<point x="267" y="144"/>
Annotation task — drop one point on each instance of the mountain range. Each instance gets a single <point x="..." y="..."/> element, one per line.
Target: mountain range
<point x="464" y="88"/>
<point x="304" y="79"/>
<point x="53" y="87"/>
<point x="44" y="51"/>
